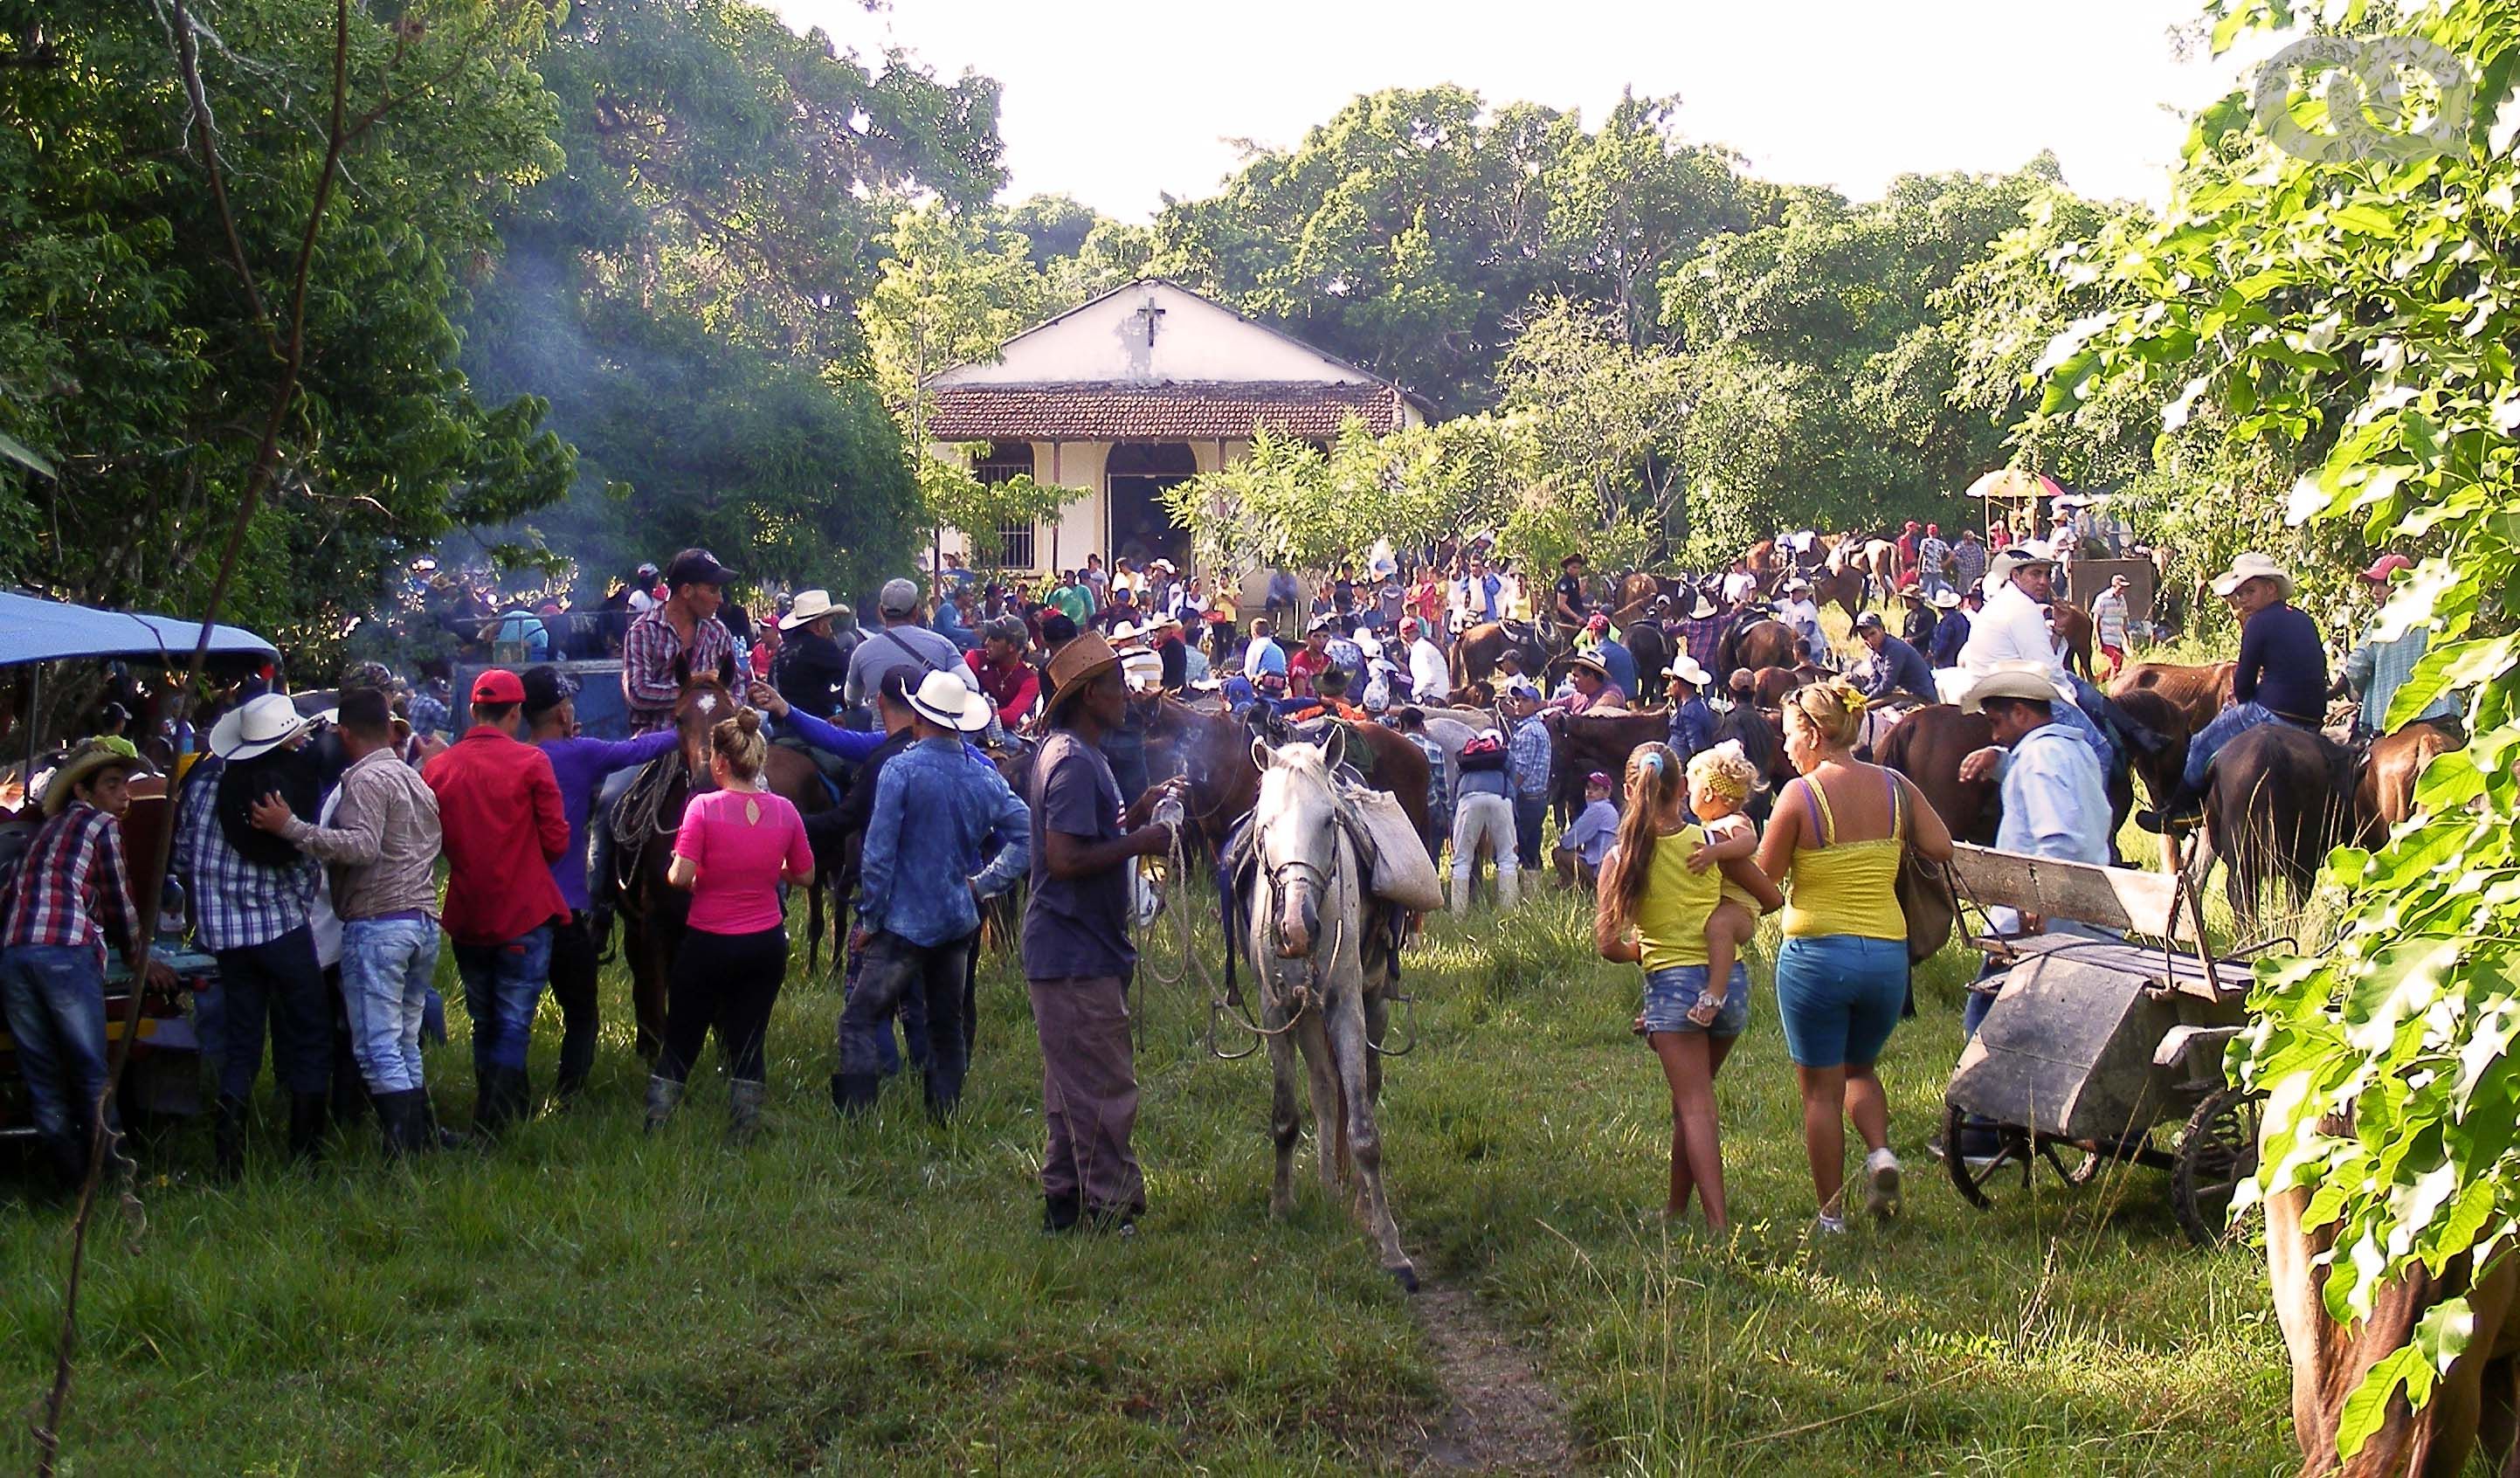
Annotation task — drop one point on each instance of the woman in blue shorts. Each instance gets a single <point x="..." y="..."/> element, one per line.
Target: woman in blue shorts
<point x="1654" y="908"/>
<point x="1836" y="841"/>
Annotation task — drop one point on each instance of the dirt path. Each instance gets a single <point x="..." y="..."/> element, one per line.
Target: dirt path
<point x="1499" y="1417"/>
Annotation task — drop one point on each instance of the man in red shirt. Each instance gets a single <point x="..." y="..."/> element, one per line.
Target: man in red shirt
<point x="1005" y="676"/>
<point x="498" y="806"/>
<point x="1311" y="661"/>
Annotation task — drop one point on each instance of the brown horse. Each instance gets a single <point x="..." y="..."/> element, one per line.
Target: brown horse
<point x="1757" y="646"/>
<point x="1213" y="752"/>
<point x="1476" y="651"/>
<point x="2073" y="627"/>
<point x="1847" y="585"/>
<point x="654" y="913"/>
<point x="2197" y="693"/>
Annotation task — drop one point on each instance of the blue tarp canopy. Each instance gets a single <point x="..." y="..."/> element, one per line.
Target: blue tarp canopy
<point x="34" y="630"/>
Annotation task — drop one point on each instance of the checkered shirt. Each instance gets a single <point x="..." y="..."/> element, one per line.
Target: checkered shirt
<point x="73" y="886"/>
<point x="237" y="904"/>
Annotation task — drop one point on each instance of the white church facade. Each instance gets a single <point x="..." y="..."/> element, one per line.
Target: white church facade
<point x="1132" y="392"/>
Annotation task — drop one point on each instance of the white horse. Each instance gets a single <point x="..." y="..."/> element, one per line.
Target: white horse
<point x="1316" y="991"/>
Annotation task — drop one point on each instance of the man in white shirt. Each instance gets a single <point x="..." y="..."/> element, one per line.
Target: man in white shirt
<point x="1797" y="611"/>
<point x="1430" y="677"/>
<point x="2013" y="628"/>
<point x="1738" y="584"/>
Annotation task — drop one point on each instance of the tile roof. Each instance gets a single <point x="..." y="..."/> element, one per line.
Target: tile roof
<point x="1169" y="412"/>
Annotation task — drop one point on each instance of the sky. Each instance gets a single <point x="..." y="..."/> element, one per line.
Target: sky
<point x="1121" y="101"/>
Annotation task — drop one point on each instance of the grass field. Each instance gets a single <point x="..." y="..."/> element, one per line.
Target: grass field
<point x="876" y="1295"/>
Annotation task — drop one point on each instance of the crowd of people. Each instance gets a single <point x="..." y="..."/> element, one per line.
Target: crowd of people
<point x="309" y="847"/>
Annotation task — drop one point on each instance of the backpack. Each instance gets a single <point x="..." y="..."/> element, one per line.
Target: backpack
<point x="1482" y="754"/>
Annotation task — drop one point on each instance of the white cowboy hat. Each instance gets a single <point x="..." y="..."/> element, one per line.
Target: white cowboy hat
<point x="1795" y="584"/>
<point x="1947" y="598"/>
<point x="1702" y="610"/>
<point x="2027" y="681"/>
<point x="255" y="726"/>
<point x="942" y="699"/>
<point x="1684" y="668"/>
<point x="811" y="605"/>
<point x="2252" y="566"/>
<point x="1125" y="632"/>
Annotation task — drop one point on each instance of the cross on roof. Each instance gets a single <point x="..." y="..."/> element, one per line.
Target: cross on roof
<point x="1147" y="314"/>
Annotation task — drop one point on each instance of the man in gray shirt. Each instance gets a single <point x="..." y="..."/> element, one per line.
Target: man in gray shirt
<point x="901" y="640"/>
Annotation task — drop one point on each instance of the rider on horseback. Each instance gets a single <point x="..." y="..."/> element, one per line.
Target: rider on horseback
<point x="2281" y="679"/>
<point x="2013" y="627"/>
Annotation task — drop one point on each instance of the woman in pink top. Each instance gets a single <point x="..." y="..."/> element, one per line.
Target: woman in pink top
<point x="738" y="844"/>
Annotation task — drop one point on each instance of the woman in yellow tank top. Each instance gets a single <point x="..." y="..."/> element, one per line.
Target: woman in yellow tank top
<point x="1836" y="841"/>
<point x="1652" y="910"/>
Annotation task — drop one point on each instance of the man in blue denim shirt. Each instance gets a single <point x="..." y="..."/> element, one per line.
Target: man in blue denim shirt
<point x="934" y="813"/>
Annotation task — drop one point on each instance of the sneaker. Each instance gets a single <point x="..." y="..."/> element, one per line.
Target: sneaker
<point x="1881" y="1192"/>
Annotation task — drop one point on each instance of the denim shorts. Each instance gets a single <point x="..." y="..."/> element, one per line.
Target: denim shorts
<point x="1838" y="996"/>
<point x="1672" y="994"/>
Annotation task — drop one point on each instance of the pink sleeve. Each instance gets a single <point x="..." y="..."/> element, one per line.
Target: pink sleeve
<point x="692" y="840"/>
<point x="800" y="852"/>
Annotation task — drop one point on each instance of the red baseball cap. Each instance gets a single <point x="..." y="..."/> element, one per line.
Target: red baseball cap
<point x="2385" y="566"/>
<point x="498" y="685"/>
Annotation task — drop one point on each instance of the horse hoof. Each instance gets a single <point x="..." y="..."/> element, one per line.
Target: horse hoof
<point x="1405" y="1276"/>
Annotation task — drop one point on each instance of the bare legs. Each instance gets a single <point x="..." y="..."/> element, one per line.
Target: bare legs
<point x="1832" y="1096"/>
<point x="1689" y="1063"/>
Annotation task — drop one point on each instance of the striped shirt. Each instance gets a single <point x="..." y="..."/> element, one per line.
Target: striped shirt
<point x="649" y="684"/>
<point x="235" y="904"/>
<point x="74" y="885"/>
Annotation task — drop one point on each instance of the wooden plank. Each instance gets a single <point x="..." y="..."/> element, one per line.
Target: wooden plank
<point x="2125" y="899"/>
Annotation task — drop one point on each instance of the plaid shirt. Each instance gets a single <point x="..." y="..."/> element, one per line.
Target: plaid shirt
<point x="1439" y="791"/>
<point x="1701" y="636"/>
<point x="1528" y="754"/>
<point x="235" y="904"/>
<point x="648" y="653"/>
<point x="75" y="887"/>
<point x="1968" y="564"/>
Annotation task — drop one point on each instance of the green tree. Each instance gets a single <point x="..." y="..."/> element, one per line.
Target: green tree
<point x="2358" y="317"/>
<point x="138" y="339"/>
<point x="1604" y="420"/>
<point x="688" y="288"/>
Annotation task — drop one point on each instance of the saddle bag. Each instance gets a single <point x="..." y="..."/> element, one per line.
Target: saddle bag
<point x="1397" y="867"/>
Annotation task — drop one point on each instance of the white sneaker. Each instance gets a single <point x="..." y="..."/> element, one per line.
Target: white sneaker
<point x="1882" y="1190"/>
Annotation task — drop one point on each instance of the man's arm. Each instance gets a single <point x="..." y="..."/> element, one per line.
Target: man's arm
<point x="647" y="671"/>
<point x="848" y="744"/>
<point x="2252" y="663"/>
<point x="355" y="838"/>
<point x="1014" y="709"/>
<point x="551" y="818"/>
<point x="621" y="754"/>
<point x="1012" y="826"/>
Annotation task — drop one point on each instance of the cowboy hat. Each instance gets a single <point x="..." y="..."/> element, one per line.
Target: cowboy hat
<point x="810" y="605"/>
<point x="2252" y="566"/>
<point x="1124" y="632"/>
<point x="1685" y="669"/>
<point x="1795" y="584"/>
<point x="1947" y="598"/>
<point x="256" y="726"/>
<point x="2026" y="681"/>
<point x="1078" y="663"/>
<point x="942" y="699"/>
<point x="1592" y="665"/>
<point x="1702" y="610"/>
<point x="86" y="759"/>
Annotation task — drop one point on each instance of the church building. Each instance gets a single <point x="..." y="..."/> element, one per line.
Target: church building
<point x="1135" y="391"/>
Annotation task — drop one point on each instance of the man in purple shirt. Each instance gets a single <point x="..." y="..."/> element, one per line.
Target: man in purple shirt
<point x="580" y="765"/>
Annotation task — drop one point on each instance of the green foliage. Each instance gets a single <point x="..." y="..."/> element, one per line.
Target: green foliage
<point x="2358" y="320"/>
<point x="950" y="293"/>
<point x="134" y="360"/>
<point x="688" y="290"/>
<point x="1414" y="231"/>
<point x="950" y="497"/>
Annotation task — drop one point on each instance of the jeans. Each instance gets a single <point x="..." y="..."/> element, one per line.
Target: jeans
<point x="503" y="984"/>
<point x="895" y="970"/>
<point x="1672" y="994"/>
<point x="386" y="968"/>
<point x="2228" y="725"/>
<point x="911" y="1010"/>
<point x="281" y="981"/>
<point x="572" y="988"/>
<point x="725" y="983"/>
<point x="1839" y="997"/>
<point x="1530" y="813"/>
<point x="55" y="996"/>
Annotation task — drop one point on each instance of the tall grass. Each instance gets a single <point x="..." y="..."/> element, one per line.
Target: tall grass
<point x="863" y="1295"/>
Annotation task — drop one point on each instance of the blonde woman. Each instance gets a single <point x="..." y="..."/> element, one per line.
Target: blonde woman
<point x="1835" y="844"/>
<point x="1658" y="890"/>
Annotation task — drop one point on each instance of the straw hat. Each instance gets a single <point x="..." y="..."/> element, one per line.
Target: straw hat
<point x="1593" y="665"/>
<point x="2026" y="681"/>
<point x="1078" y="663"/>
<point x="1702" y="610"/>
<point x="257" y="727"/>
<point x="1947" y="598"/>
<point x="811" y="605"/>
<point x="942" y="699"/>
<point x="2252" y="566"/>
<point x="88" y="758"/>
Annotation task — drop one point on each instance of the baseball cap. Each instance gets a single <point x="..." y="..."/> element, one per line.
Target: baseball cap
<point x="696" y="566"/>
<point x="2385" y="566"/>
<point x="1871" y="620"/>
<point x="898" y="598"/>
<point x="1599" y="778"/>
<point x="498" y="685"/>
<point x="546" y="689"/>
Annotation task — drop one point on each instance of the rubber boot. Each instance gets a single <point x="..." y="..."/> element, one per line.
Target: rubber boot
<point x="663" y="1095"/>
<point x="500" y="1103"/>
<point x="403" y="1119"/>
<point x="1060" y="1213"/>
<point x="1508" y="891"/>
<point x="310" y="1115"/>
<point x="433" y="1134"/>
<point x="854" y="1092"/>
<point x="226" y="1141"/>
<point x="1463" y="887"/>
<point x="743" y="1100"/>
